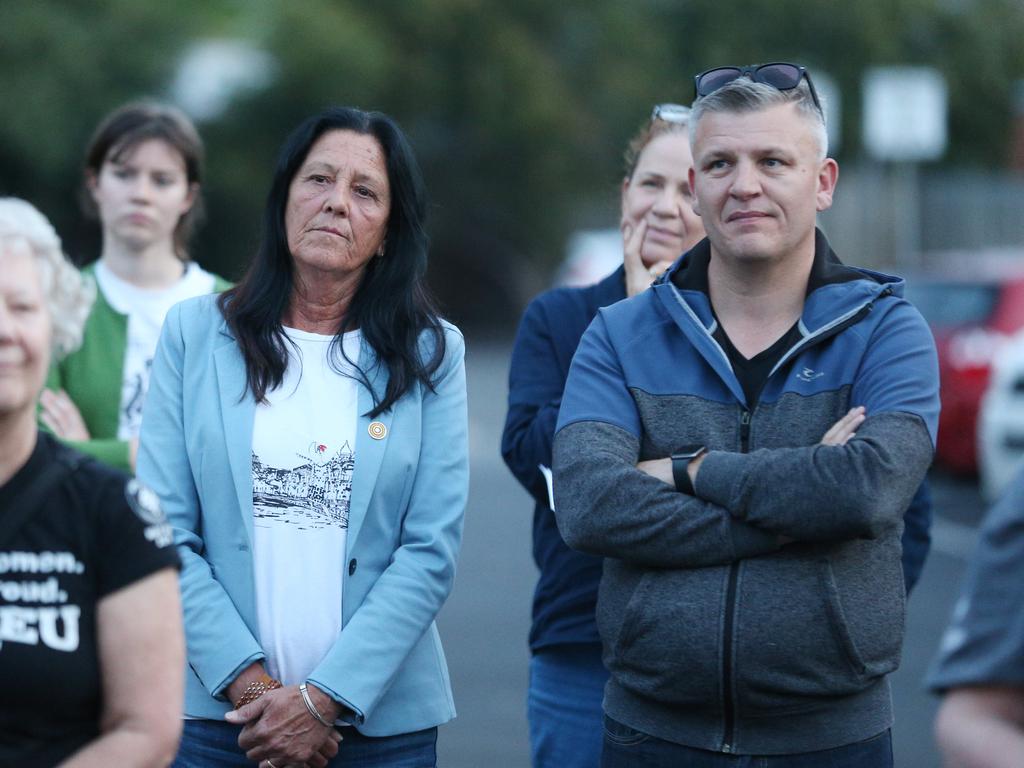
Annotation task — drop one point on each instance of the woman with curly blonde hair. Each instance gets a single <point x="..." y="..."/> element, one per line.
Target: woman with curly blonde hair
<point x="90" y="625"/>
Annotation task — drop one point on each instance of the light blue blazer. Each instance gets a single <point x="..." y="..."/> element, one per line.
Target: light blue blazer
<point x="405" y="525"/>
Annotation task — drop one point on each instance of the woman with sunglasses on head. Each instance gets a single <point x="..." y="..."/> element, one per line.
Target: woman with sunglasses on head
<point x="142" y="178"/>
<point x="90" y="619"/>
<point x="658" y="224"/>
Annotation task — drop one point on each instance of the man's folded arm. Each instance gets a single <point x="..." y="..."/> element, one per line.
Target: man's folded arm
<point x="822" y="492"/>
<point x="859" y="489"/>
<point x="605" y="506"/>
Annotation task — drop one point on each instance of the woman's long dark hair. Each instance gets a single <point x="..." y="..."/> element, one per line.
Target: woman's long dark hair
<point x="392" y="307"/>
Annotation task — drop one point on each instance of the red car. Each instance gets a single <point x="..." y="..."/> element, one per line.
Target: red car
<point x="973" y="302"/>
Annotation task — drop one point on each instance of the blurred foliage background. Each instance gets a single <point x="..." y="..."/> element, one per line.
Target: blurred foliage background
<point x="518" y="111"/>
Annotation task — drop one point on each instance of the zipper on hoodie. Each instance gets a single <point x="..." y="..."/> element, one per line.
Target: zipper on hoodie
<point x="728" y="673"/>
<point x="728" y="705"/>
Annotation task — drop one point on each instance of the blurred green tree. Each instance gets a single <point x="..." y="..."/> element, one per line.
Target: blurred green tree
<point x="518" y="111"/>
<point x="64" y="65"/>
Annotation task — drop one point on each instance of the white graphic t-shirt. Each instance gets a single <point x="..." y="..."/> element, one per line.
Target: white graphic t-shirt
<point x="303" y="454"/>
<point x="146" y="310"/>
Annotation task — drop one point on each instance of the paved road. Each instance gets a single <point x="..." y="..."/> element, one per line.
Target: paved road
<point x="486" y="620"/>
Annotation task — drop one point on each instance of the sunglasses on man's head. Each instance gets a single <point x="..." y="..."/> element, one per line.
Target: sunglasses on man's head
<point x="670" y="113"/>
<point x="779" y="75"/>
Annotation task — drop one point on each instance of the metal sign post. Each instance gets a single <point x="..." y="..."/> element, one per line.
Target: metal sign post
<point x="905" y="113"/>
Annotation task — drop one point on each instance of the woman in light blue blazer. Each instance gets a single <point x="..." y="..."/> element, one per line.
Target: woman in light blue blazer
<point x="307" y="434"/>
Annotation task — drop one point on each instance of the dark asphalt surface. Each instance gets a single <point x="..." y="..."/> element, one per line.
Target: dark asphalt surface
<point x="486" y="620"/>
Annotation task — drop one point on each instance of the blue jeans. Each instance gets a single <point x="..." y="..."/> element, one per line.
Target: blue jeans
<point x="628" y="748"/>
<point x="213" y="744"/>
<point x="564" y="706"/>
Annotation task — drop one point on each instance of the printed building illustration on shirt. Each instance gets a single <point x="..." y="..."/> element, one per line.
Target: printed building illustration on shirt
<point x="314" y="494"/>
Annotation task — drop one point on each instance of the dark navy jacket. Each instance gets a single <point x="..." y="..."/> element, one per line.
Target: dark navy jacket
<point x="550" y="331"/>
<point x="566" y="593"/>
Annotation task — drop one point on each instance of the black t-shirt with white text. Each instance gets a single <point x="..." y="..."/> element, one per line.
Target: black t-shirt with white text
<point x="94" y="532"/>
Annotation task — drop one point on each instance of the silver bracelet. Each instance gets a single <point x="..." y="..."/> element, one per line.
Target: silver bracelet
<point x="312" y="707"/>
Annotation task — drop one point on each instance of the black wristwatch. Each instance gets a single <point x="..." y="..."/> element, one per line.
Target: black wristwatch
<point x="680" y="461"/>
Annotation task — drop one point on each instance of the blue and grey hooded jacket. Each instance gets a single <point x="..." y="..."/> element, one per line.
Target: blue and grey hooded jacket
<point x="717" y="634"/>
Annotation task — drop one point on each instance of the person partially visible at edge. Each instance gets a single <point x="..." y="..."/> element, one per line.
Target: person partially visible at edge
<point x="740" y="442"/>
<point x="143" y="170"/>
<point x="979" y="670"/>
<point x="307" y="433"/>
<point x="567" y="677"/>
<point x="89" y="612"/>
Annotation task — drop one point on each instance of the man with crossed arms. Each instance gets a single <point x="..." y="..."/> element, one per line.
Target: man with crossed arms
<point x="740" y="441"/>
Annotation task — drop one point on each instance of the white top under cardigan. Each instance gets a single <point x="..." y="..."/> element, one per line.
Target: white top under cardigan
<point x="302" y="461"/>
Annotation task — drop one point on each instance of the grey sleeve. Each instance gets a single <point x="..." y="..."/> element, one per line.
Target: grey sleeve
<point x="984" y="644"/>
<point x="605" y="506"/>
<point x="820" y="493"/>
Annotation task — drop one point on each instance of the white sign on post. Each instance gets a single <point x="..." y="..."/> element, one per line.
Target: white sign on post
<point x="828" y="91"/>
<point x="905" y="112"/>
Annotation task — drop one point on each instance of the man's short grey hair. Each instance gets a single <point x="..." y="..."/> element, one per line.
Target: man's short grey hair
<point x="69" y="295"/>
<point x="744" y="95"/>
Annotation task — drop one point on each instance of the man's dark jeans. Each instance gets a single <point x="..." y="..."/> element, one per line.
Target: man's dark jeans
<point x="628" y="748"/>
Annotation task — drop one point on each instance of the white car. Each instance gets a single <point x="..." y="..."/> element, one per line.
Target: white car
<point x="1001" y="420"/>
<point x="591" y="255"/>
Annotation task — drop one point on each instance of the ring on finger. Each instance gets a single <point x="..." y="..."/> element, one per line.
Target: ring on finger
<point x="270" y="764"/>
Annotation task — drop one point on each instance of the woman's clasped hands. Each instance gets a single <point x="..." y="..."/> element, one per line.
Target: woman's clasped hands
<point x="280" y="731"/>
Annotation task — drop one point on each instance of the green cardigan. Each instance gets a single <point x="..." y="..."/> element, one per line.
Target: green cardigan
<point x="91" y="375"/>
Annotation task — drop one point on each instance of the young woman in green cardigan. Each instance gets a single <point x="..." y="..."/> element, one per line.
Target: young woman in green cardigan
<point x="142" y="176"/>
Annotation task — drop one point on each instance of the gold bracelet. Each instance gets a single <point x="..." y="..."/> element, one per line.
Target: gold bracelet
<point x="257" y="688"/>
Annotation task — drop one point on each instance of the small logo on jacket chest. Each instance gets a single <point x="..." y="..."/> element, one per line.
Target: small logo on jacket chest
<point x="807" y="374"/>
